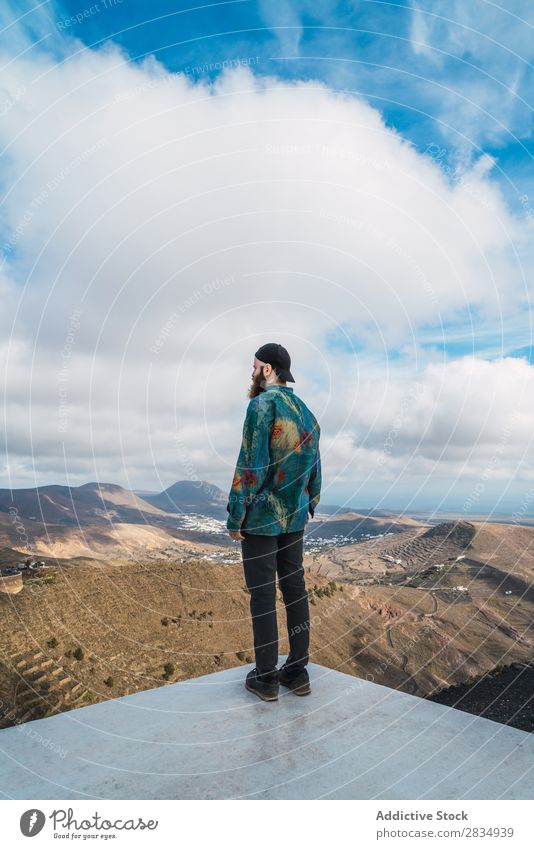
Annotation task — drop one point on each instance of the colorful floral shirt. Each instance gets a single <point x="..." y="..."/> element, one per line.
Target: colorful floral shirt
<point x="277" y="479"/>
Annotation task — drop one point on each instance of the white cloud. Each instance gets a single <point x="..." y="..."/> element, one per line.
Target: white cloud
<point x="204" y="221"/>
<point x="484" y="52"/>
<point x="419" y="34"/>
<point x="284" y="20"/>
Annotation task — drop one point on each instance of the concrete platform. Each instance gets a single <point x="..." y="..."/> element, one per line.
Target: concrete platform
<point x="208" y="738"/>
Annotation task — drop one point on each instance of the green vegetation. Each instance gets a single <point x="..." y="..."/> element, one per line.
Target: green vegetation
<point x="322" y="592"/>
<point x="89" y="697"/>
<point x="200" y="615"/>
<point x="168" y="670"/>
<point x="197" y="616"/>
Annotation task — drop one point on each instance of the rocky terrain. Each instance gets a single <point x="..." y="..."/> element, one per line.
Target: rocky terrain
<point x="505" y="696"/>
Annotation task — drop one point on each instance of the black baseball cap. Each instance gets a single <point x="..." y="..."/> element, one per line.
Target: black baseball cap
<point x="278" y="357"/>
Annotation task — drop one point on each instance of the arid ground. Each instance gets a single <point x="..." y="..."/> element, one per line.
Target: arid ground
<point x="421" y="609"/>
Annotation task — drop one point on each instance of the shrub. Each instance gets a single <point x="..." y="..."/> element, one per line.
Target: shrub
<point x="78" y="653"/>
<point x="109" y="681"/>
<point x="168" y="670"/>
<point x="52" y="643"/>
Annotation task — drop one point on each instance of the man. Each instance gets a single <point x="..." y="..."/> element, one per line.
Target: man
<point x="277" y="482"/>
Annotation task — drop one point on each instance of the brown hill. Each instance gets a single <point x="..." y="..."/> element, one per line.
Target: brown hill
<point x="191" y="497"/>
<point x="89" y="504"/>
<point x="90" y="541"/>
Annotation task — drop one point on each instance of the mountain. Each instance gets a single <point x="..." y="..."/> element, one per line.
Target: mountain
<point x="191" y="497"/>
<point x="104" y="503"/>
<point x="100" y="518"/>
<point x="91" y="503"/>
<point x="95" y="518"/>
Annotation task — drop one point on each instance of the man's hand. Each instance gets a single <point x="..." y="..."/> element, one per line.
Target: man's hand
<point x="236" y="535"/>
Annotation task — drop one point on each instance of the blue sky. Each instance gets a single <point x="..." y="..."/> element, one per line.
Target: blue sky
<point x="404" y="57"/>
<point x="421" y="64"/>
<point x="361" y="172"/>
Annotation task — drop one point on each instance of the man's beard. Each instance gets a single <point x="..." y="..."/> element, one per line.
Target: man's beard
<point x="255" y="387"/>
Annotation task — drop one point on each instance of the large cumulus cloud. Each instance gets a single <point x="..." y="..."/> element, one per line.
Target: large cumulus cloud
<point x="156" y="230"/>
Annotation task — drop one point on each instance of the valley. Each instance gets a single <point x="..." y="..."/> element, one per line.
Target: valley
<point x="122" y="605"/>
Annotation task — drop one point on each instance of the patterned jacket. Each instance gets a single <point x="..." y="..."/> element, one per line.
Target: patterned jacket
<point x="277" y="479"/>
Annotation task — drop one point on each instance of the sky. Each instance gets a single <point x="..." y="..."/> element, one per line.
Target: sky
<point x="181" y="183"/>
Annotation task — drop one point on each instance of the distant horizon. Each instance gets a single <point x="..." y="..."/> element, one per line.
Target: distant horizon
<point x="340" y="503"/>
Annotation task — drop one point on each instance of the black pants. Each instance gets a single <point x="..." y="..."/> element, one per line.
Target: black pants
<point x="263" y="557"/>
